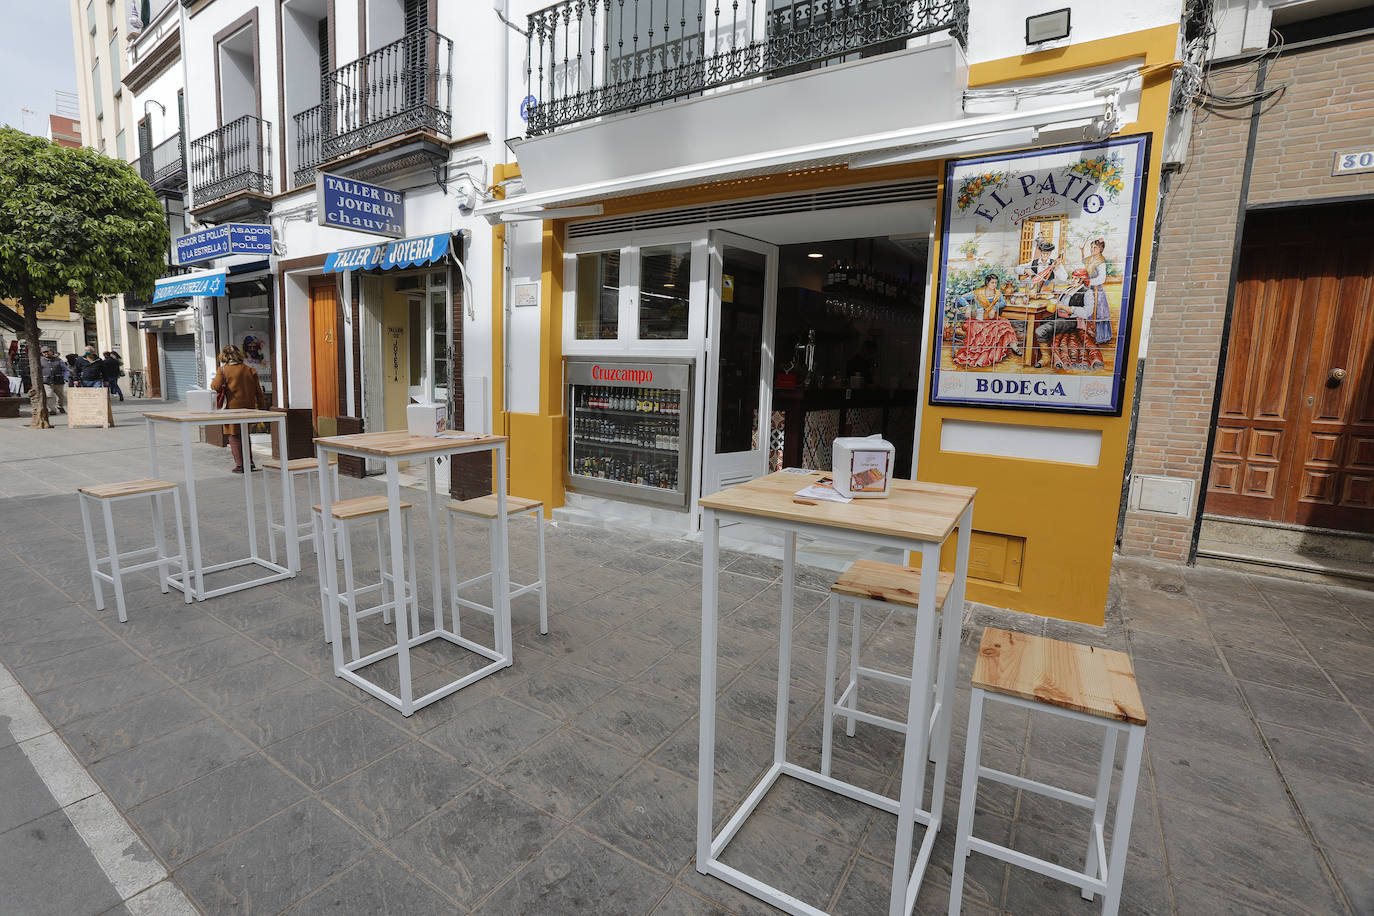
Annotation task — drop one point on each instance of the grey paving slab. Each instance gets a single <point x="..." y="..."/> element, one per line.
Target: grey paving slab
<point x="276" y="863"/>
<point x="577" y="874"/>
<point x="379" y="886"/>
<point x="203" y="813"/>
<point x="288" y="711"/>
<point x="336" y="747"/>
<point x="113" y="730"/>
<point x="387" y="797"/>
<point x="28" y="854"/>
<point x="487" y="735"/>
<point x="25" y="796"/>
<point x="565" y="772"/>
<point x="162" y="764"/>
<point x="461" y="849"/>
<point x="649" y="815"/>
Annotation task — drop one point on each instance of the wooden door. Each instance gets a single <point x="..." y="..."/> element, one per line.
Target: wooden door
<point x="153" y="360"/>
<point x="1295" y="428"/>
<point x="324" y="355"/>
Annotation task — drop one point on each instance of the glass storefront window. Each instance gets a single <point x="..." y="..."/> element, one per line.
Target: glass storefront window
<point x="598" y="295"/>
<point x="438" y="309"/>
<point x="664" y="287"/>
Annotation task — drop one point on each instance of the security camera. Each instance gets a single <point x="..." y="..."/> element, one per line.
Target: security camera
<point x="467" y="202"/>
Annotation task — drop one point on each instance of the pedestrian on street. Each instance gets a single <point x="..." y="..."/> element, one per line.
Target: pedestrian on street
<point x="55" y="374"/>
<point x="92" y="369"/>
<point x="237" y="387"/>
<point x="73" y="370"/>
<point x="114" y="368"/>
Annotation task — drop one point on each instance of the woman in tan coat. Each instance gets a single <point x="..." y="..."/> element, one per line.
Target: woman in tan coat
<point x="239" y="388"/>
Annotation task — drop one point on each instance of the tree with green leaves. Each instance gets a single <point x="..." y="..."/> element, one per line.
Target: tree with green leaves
<point x="71" y="222"/>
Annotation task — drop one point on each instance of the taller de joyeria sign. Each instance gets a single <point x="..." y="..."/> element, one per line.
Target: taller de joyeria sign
<point x="222" y="241"/>
<point x="359" y="207"/>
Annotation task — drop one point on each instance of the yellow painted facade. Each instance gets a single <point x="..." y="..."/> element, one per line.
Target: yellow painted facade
<point x="1044" y="532"/>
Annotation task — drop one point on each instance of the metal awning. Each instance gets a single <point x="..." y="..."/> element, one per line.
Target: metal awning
<point x="411" y="252"/>
<point x="196" y="283"/>
<point x="964" y="136"/>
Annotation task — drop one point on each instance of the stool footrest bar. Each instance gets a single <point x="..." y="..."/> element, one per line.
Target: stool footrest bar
<point x="1048" y="869"/>
<point x="1040" y="788"/>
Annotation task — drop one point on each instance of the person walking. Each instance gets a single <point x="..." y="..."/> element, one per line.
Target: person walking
<point x="237" y="387"/>
<point x="114" y="368"/>
<point x="55" y="373"/>
<point x="92" y="369"/>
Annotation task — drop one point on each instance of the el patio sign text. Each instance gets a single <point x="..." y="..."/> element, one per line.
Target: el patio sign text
<point x="359" y="207"/>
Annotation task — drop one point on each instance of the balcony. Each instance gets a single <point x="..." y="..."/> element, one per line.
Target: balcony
<point x="404" y="88"/>
<point x="309" y="135"/>
<point x="233" y="162"/>
<point x="637" y="54"/>
<point x="165" y="166"/>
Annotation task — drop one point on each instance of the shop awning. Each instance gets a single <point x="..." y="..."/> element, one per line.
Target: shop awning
<point x="411" y="252"/>
<point x="964" y="136"/>
<point x="198" y="283"/>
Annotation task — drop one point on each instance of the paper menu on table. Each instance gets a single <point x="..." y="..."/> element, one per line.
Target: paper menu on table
<point x="823" y="490"/>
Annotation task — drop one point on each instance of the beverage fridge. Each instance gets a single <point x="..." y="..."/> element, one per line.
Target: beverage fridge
<point x="630" y="429"/>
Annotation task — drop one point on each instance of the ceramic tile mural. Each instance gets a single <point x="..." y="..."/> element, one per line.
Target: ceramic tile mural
<point x="776" y="438"/>
<point x="822" y="426"/>
<point x="863" y="421"/>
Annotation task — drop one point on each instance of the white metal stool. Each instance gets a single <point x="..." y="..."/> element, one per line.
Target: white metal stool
<point x="1082" y="683"/>
<point x="346" y="512"/>
<point x="893" y="588"/>
<point x="297" y="468"/>
<point x="105" y="495"/>
<point x="484" y="507"/>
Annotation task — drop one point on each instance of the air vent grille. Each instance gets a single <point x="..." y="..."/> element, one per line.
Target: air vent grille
<point x="812" y="201"/>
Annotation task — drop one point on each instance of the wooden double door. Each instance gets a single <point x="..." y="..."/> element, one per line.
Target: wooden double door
<point x="1295" y="428"/>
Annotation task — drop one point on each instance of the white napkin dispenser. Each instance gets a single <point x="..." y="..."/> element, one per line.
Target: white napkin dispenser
<point x="426" y="419"/>
<point x="862" y="466"/>
<point x="199" y="400"/>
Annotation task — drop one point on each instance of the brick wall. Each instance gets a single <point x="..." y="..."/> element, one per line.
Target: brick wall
<point x="1192" y="273"/>
<point x="1327" y="105"/>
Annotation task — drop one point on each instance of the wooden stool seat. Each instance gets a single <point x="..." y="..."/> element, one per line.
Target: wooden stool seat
<point x="293" y="464"/>
<point x="1098" y="682"/>
<point x="889" y="583"/>
<point x="361" y="507"/>
<point x="127" y="488"/>
<point x="1091" y="686"/>
<point x="485" y="506"/>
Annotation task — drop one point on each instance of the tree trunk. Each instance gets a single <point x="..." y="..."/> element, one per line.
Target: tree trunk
<point x="38" y="396"/>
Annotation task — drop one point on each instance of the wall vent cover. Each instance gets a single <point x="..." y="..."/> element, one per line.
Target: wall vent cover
<point x="810" y="202"/>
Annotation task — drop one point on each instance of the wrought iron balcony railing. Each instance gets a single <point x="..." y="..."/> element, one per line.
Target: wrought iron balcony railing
<point x="165" y="165"/>
<point x="309" y="137"/>
<point x="406" y="85"/>
<point x="589" y="58"/>
<point x="235" y="158"/>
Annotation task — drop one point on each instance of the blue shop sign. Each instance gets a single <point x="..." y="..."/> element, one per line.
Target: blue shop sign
<point x="222" y="241"/>
<point x="359" y="207"/>
<point x="205" y="283"/>
<point x="423" y="249"/>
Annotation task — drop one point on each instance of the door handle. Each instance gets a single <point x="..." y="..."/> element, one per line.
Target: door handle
<point x="1337" y="374"/>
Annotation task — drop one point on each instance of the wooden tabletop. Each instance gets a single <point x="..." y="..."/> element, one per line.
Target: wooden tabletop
<point x="1099" y="682"/>
<point x="914" y="510"/>
<point x="215" y="416"/>
<point x="395" y="443"/>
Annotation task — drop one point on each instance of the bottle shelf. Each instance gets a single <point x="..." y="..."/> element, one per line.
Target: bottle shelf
<point x="616" y="412"/>
<point x="578" y="440"/>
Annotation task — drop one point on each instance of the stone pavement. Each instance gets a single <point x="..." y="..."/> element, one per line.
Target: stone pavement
<point x="260" y="783"/>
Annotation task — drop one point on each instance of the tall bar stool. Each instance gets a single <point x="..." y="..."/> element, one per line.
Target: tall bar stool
<point x="888" y="587"/>
<point x="345" y="513"/>
<point x="105" y="495"/>
<point x="1082" y="683"/>
<point x="484" y="507"/>
<point x="299" y="469"/>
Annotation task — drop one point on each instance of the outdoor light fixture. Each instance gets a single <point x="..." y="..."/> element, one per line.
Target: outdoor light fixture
<point x="815" y="254"/>
<point x="1044" y="27"/>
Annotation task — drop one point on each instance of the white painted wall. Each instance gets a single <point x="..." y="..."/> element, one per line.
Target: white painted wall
<point x="997" y="28"/>
<point x="163" y="90"/>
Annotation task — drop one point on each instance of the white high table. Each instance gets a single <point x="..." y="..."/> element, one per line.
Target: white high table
<point x="392" y="448"/>
<point x="187" y="422"/>
<point x="918" y="517"/>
